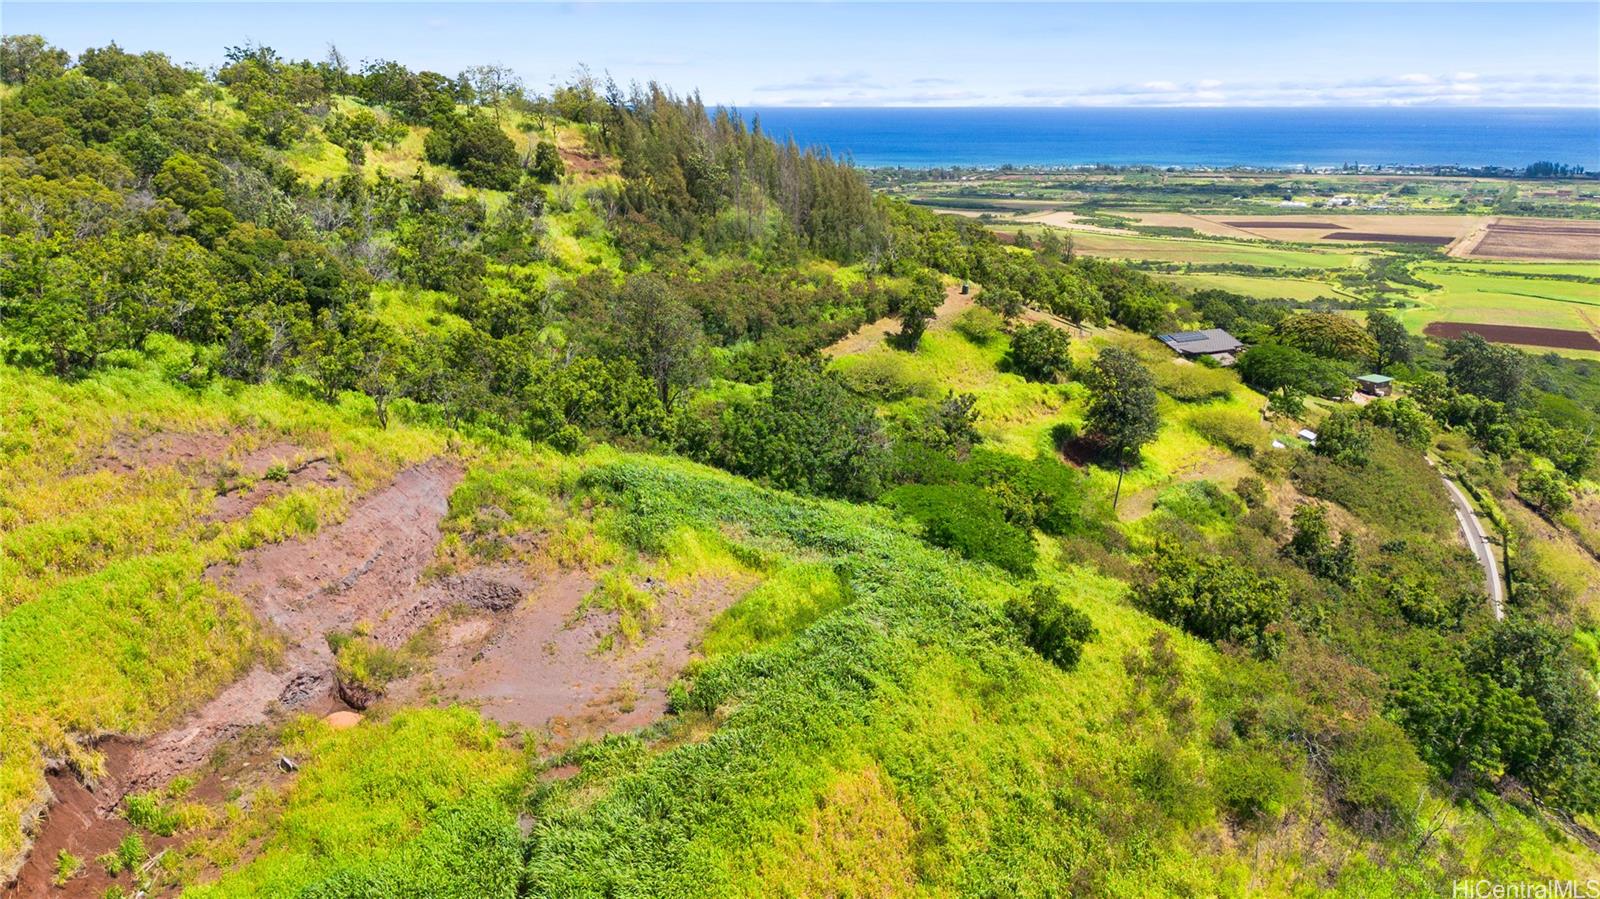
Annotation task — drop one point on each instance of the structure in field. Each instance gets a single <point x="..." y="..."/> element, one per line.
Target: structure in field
<point x="1375" y="385"/>
<point x="1213" y="342"/>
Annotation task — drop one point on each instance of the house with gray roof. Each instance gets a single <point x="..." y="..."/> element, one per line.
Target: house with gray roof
<point x="1213" y="342"/>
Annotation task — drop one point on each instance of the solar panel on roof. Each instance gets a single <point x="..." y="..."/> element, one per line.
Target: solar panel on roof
<point x="1189" y="337"/>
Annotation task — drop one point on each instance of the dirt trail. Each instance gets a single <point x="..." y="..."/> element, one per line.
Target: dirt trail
<point x="875" y="333"/>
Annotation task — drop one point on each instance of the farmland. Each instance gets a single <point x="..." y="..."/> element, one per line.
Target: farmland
<point x="1473" y="267"/>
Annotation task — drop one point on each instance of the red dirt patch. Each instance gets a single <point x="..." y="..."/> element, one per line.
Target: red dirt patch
<point x="543" y="667"/>
<point x="1554" y="338"/>
<point x="1431" y="240"/>
<point x="1291" y="224"/>
<point x="368" y="567"/>
<point x="1539" y="239"/>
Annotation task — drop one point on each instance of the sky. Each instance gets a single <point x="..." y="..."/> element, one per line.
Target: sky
<point x="921" y="54"/>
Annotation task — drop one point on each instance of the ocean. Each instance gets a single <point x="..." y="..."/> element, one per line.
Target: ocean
<point x="1275" y="138"/>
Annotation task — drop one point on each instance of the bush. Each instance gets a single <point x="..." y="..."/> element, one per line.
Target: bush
<point x="1232" y="429"/>
<point x="1377" y="772"/>
<point x="1214" y="597"/>
<point x="1191" y="383"/>
<point x="979" y="325"/>
<point x="1200" y="503"/>
<point x="1051" y="627"/>
<point x="1252" y="491"/>
<point x="1253" y="784"/>
<point x="1345" y="438"/>
<point x="966" y="519"/>
<point x="1041" y="352"/>
<point x="884" y="376"/>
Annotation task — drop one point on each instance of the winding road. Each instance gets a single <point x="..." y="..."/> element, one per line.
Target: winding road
<point x="1472" y="529"/>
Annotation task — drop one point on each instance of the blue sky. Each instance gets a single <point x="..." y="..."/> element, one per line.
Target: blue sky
<point x="923" y="54"/>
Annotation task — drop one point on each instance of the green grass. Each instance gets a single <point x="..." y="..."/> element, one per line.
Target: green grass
<point x="1302" y="290"/>
<point x="1471" y="294"/>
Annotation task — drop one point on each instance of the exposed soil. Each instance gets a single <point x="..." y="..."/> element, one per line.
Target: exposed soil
<point x="1378" y="237"/>
<point x="1286" y="223"/>
<point x="546" y="666"/>
<point x="366" y="568"/>
<point x="1538" y="239"/>
<point x="1556" y="338"/>
<point x="218" y="462"/>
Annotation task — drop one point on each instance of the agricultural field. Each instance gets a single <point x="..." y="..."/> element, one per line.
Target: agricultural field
<point x="1449" y="276"/>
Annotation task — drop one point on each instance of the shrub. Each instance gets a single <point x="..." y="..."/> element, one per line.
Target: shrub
<point x="1191" y="383"/>
<point x="1214" y="597"/>
<point x="967" y="520"/>
<point x="1041" y="352"/>
<point x="884" y="376"/>
<point x="1253" y="784"/>
<point x="1042" y="493"/>
<point x="67" y="867"/>
<point x="1545" y="489"/>
<point x="1252" y="491"/>
<point x="1200" y="503"/>
<point x="1376" y="770"/>
<point x="1051" y="627"/>
<point x="979" y="325"/>
<point x="1345" y="438"/>
<point x="1063" y="434"/>
<point x="1233" y="429"/>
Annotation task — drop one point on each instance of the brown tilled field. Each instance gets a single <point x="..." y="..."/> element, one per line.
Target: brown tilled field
<point x="1553" y="338"/>
<point x="1435" y="240"/>
<point x="1539" y="239"/>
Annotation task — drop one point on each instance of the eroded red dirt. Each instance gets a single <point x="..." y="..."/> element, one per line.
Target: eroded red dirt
<point x="547" y="666"/>
<point x="367" y="567"/>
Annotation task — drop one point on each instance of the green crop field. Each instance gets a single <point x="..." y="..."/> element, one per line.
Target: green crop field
<point x="1300" y="289"/>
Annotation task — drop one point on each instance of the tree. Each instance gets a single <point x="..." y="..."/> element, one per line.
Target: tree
<point x="1546" y="489"/>
<point x="1270" y="367"/>
<point x="918" y="307"/>
<point x="547" y="165"/>
<point x="1403" y="418"/>
<point x="1122" y="407"/>
<point x="1487" y="370"/>
<point x="1049" y="626"/>
<point x="952" y="425"/>
<point x="663" y="334"/>
<point x="1390" y="338"/>
<point x="1041" y="352"/>
<point x="1326" y="334"/>
<point x="1344" y="437"/>
<point x="492" y="85"/>
<point x="1214" y="597"/>
<point x="26" y="56"/>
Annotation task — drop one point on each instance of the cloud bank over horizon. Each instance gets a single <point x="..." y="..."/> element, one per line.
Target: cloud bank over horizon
<point x="1459" y="54"/>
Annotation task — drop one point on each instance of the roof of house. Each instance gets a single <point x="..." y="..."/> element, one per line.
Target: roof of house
<point x="1375" y="379"/>
<point x="1200" y="343"/>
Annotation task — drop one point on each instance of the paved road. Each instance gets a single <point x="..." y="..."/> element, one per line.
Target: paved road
<point x="1472" y="529"/>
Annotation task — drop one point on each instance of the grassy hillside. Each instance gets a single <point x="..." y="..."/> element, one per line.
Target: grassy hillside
<point x="404" y="492"/>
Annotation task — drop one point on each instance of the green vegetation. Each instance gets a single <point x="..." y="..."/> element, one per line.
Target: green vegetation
<point x="1011" y="602"/>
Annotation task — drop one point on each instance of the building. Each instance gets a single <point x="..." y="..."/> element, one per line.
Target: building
<point x="1375" y="385"/>
<point x="1213" y="342"/>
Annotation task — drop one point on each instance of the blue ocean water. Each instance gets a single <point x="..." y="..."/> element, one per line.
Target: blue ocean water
<point x="925" y="137"/>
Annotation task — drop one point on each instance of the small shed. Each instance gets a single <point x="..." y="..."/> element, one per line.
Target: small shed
<point x="1307" y="435"/>
<point x="1375" y="385"/>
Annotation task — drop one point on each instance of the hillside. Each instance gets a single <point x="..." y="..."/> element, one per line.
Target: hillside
<point x="413" y="485"/>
